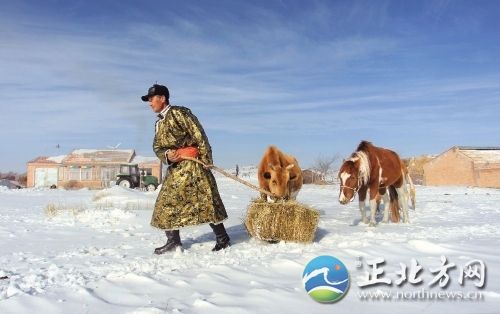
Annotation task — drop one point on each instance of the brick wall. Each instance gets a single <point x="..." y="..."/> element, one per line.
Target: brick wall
<point x="30" y="176"/>
<point x="488" y="177"/>
<point x="454" y="168"/>
<point x="450" y="168"/>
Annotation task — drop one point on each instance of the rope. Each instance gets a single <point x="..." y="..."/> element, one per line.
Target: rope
<point x="232" y="177"/>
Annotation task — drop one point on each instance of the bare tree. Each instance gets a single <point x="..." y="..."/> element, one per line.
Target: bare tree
<point x="9" y="176"/>
<point x="324" y="165"/>
<point x="22" y="179"/>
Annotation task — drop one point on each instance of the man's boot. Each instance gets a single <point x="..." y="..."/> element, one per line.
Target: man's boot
<point x="173" y="241"/>
<point x="221" y="236"/>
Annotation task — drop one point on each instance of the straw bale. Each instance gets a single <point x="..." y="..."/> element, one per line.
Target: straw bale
<point x="281" y="221"/>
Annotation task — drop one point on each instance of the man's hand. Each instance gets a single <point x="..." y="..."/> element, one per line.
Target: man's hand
<point x="173" y="156"/>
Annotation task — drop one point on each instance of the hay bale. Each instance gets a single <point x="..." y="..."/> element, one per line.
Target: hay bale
<point x="281" y="221"/>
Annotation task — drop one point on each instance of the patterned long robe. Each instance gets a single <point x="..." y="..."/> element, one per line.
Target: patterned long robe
<point x="189" y="195"/>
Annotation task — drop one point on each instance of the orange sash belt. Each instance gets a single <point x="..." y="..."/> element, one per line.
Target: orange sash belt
<point x="189" y="151"/>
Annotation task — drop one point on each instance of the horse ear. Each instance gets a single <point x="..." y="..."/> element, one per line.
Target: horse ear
<point x="266" y="175"/>
<point x="290" y="166"/>
<point x="271" y="166"/>
<point x="343" y="160"/>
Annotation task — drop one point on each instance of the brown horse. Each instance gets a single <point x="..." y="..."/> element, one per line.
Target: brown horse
<point x="378" y="170"/>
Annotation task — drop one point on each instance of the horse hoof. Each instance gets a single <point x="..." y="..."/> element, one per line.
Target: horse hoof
<point x="372" y="224"/>
<point x="385" y="221"/>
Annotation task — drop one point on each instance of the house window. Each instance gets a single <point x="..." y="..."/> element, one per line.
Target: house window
<point x="108" y="172"/>
<point x="86" y="174"/>
<point x="80" y="173"/>
<point x="74" y="174"/>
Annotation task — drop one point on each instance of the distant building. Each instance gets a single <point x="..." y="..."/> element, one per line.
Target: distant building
<point x="466" y="166"/>
<point x="89" y="168"/>
<point x="310" y="176"/>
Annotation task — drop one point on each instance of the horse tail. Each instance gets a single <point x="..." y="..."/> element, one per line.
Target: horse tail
<point x="412" y="190"/>
<point x="394" y="204"/>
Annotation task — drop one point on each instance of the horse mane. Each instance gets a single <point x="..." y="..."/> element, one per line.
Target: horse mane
<point x="364" y="146"/>
<point x="364" y="163"/>
<point x="364" y="168"/>
<point x="363" y="153"/>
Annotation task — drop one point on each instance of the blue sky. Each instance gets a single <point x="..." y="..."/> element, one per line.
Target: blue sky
<point x="311" y="77"/>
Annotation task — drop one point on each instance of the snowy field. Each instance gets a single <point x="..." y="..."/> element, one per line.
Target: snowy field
<point x="91" y="251"/>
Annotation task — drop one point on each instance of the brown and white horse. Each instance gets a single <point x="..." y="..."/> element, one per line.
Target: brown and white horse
<point x="378" y="170"/>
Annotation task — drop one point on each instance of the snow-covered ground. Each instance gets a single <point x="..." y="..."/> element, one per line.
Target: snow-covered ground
<point x="90" y="251"/>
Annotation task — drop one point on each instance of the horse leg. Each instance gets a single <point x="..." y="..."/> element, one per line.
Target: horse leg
<point x="387" y="200"/>
<point x="412" y="191"/>
<point x="406" y="193"/>
<point x="379" y="200"/>
<point x="373" y="206"/>
<point x="362" y="208"/>
<point x="404" y="200"/>
<point x="394" y="204"/>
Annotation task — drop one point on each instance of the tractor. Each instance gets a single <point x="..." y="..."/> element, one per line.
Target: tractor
<point x="130" y="176"/>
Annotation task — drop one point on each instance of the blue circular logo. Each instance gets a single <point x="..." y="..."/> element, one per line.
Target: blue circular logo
<point x="325" y="279"/>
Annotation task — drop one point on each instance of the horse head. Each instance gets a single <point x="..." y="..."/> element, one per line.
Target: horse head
<point x="349" y="178"/>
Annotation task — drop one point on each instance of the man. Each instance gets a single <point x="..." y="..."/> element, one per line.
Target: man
<point x="189" y="194"/>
